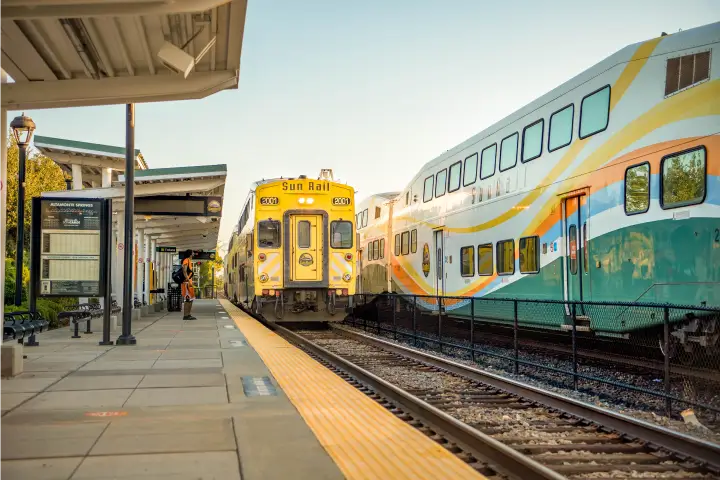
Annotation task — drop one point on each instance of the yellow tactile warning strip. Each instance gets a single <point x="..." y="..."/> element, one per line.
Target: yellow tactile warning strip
<point x="363" y="438"/>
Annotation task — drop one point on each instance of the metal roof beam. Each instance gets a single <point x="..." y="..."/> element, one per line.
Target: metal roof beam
<point x="27" y="9"/>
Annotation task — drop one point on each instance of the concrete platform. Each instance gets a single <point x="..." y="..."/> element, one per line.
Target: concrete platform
<point x="173" y="406"/>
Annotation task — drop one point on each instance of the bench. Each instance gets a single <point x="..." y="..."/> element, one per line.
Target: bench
<point x="82" y="313"/>
<point x="21" y="324"/>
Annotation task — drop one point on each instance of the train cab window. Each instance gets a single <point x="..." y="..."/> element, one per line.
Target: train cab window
<point x="382" y="248"/>
<point x="508" y="152"/>
<point x="683" y="179"/>
<point x="467" y="261"/>
<point x="572" y="249"/>
<point x="341" y="234"/>
<point x="487" y="164"/>
<point x="560" y="130"/>
<point x="485" y="259"/>
<point x="454" y="178"/>
<point x="428" y="188"/>
<point x="533" y="141"/>
<point x="269" y="234"/>
<point x="413" y="240"/>
<point x="505" y="252"/>
<point x="397" y="245"/>
<point x="303" y="234"/>
<point x="376" y="249"/>
<point x="378" y="211"/>
<point x="405" y="243"/>
<point x="440" y="183"/>
<point x="407" y="198"/>
<point x="637" y="189"/>
<point x="470" y="172"/>
<point x="529" y="254"/>
<point x="595" y="112"/>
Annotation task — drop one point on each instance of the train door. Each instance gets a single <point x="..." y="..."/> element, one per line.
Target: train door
<point x="439" y="263"/>
<point x="306" y="246"/>
<point x="576" y="269"/>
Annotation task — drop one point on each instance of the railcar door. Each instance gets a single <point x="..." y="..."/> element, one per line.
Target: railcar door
<point x="576" y="255"/>
<point x="306" y="252"/>
<point x="439" y="263"/>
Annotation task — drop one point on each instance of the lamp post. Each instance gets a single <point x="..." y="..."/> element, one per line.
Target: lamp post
<point x="23" y="128"/>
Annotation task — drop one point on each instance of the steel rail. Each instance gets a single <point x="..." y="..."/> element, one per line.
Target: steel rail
<point x="479" y="444"/>
<point x="695" y="448"/>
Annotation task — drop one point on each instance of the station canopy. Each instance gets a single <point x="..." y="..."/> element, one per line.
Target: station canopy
<point x="70" y="53"/>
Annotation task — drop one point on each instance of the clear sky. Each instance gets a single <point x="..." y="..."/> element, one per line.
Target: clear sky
<point x="375" y="89"/>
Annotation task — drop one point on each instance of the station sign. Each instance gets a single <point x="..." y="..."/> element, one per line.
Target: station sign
<point x="69" y="246"/>
<point x="166" y="249"/>
<point x="175" y="205"/>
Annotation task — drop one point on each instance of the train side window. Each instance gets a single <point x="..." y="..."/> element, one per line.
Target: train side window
<point x="405" y="243"/>
<point x="382" y="248"/>
<point x="508" y="152"/>
<point x="303" y="234"/>
<point x="487" y="164"/>
<point x="530" y="254"/>
<point x="595" y="112"/>
<point x="428" y="188"/>
<point x="572" y="248"/>
<point x="341" y="234"/>
<point x="365" y="218"/>
<point x="533" y="140"/>
<point x="376" y="250"/>
<point x="684" y="178"/>
<point x="485" y="259"/>
<point x="440" y="183"/>
<point x="561" y="128"/>
<point x="470" y="172"/>
<point x="505" y="252"/>
<point x="413" y="240"/>
<point x="378" y="211"/>
<point x="369" y="251"/>
<point x="467" y="261"/>
<point x="454" y="178"/>
<point x="637" y="189"/>
<point x="407" y="198"/>
<point x="269" y="234"/>
<point x="397" y="245"/>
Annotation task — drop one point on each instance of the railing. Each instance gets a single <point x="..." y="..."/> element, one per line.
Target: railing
<point x="572" y="342"/>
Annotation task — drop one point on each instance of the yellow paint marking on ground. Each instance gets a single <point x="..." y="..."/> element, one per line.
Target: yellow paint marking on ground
<point x="364" y="439"/>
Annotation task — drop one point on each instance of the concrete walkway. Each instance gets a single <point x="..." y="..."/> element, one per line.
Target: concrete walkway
<point x="191" y="401"/>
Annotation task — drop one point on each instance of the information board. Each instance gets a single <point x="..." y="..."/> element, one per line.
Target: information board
<point x="69" y="236"/>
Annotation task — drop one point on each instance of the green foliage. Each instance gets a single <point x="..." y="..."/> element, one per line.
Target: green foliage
<point x="9" y="294"/>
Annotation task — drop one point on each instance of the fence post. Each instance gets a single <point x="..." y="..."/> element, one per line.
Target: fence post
<point x="394" y="307"/>
<point x="440" y="302"/>
<point x="472" y="329"/>
<point x="515" y="335"/>
<point x="414" y="320"/>
<point x="574" y="345"/>
<point x="666" y="342"/>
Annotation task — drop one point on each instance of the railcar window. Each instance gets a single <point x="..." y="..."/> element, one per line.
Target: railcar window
<point x="303" y="234"/>
<point x="440" y="183"/>
<point x="407" y="198"/>
<point x="487" y="164"/>
<point x="413" y="240"/>
<point x="533" y="141"/>
<point x="572" y="248"/>
<point x="365" y="217"/>
<point x="485" y="259"/>
<point x="505" y="257"/>
<point x="397" y="245"/>
<point x="637" y="189"/>
<point x="683" y="178"/>
<point x="369" y="251"/>
<point x="683" y="72"/>
<point x="467" y="261"/>
<point x="454" y="180"/>
<point x="508" y="152"/>
<point x="470" y="172"/>
<point x="378" y="211"/>
<point x="428" y="189"/>
<point x="269" y="234"/>
<point x="341" y="234"/>
<point x="376" y="250"/>
<point x="560" y="131"/>
<point x="382" y="248"/>
<point x="595" y="112"/>
<point x="405" y="243"/>
<point x="529" y="254"/>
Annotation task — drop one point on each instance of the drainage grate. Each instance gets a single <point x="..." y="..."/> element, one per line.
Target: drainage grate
<point x="258" y="386"/>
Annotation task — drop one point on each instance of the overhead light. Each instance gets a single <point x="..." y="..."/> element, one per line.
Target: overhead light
<point x="176" y="59"/>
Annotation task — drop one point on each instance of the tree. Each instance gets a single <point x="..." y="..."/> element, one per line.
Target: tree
<point x="41" y="175"/>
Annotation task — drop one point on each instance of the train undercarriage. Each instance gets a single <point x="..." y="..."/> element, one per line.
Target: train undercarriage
<point x="302" y="305"/>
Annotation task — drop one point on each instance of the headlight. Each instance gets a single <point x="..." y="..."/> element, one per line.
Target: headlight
<point x="347" y="277"/>
<point x="263" y="277"/>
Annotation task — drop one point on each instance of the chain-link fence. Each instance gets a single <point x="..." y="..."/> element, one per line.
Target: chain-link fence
<point x="668" y="356"/>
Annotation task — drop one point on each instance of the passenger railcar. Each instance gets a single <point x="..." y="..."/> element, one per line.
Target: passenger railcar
<point x="607" y="188"/>
<point x="293" y="255"/>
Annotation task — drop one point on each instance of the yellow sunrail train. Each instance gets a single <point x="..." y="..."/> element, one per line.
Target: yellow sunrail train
<point x="292" y="255"/>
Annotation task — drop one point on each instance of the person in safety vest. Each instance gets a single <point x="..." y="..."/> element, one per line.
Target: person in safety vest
<point x="188" y="290"/>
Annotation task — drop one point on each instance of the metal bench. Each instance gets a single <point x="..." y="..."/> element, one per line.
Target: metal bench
<point x="82" y="313"/>
<point x="21" y="324"/>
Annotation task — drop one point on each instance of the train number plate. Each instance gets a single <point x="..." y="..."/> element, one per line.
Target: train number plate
<point x="340" y="201"/>
<point x="269" y="200"/>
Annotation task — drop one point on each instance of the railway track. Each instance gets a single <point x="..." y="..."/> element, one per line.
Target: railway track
<point x="519" y="431"/>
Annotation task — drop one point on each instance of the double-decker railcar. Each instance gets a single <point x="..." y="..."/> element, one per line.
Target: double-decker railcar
<point x="294" y="255"/>
<point x="607" y="188"/>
